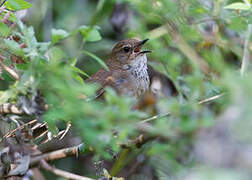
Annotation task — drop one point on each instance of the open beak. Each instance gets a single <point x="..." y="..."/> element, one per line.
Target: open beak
<point x="138" y="47"/>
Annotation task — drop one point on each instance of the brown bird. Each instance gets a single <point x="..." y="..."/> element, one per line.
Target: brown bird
<point x="127" y="73"/>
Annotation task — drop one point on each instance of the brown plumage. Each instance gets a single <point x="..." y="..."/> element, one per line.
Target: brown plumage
<point x="127" y="69"/>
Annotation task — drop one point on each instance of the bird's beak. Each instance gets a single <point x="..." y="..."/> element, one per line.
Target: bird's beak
<point x="138" y="47"/>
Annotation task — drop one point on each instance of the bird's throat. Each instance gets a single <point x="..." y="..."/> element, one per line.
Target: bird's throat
<point x="140" y="74"/>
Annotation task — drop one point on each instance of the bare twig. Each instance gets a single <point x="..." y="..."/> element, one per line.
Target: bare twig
<point x="66" y="130"/>
<point x="62" y="173"/>
<point x="20" y="127"/>
<point x="168" y="113"/>
<point x="8" y="108"/>
<point x="246" y="56"/>
<point x="59" y="154"/>
<point x="9" y="70"/>
<point x="154" y="117"/>
<point x="2" y="3"/>
<point x="138" y="142"/>
<point x="211" y="98"/>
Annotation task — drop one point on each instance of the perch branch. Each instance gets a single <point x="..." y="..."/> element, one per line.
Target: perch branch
<point x="154" y="117"/>
<point x="59" y="154"/>
<point x="138" y="142"/>
<point x="211" y="98"/>
<point x="62" y="173"/>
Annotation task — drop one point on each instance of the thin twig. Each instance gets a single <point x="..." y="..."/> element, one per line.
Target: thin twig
<point x="3" y="3"/>
<point x="66" y="130"/>
<point x="9" y="70"/>
<point x="20" y="127"/>
<point x="59" y="154"/>
<point x="211" y="98"/>
<point x="155" y="117"/>
<point x="246" y="57"/>
<point x="62" y="173"/>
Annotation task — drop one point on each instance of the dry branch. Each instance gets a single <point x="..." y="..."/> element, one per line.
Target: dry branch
<point x="20" y="127"/>
<point x="59" y="154"/>
<point x="211" y="98"/>
<point x="62" y="173"/>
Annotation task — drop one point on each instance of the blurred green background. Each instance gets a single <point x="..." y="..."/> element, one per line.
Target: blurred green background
<point x="198" y="44"/>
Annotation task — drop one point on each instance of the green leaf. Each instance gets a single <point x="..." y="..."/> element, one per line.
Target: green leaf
<point x="14" y="47"/>
<point x="75" y="69"/>
<point x="99" y="60"/>
<point x="56" y="54"/>
<point x="17" y="4"/>
<point x="58" y="34"/>
<point x="4" y="30"/>
<point x="6" y="76"/>
<point x="21" y="66"/>
<point x="238" y="6"/>
<point x="73" y="62"/>
<point x="79" y="79"/>
<point x="90" y="34"/>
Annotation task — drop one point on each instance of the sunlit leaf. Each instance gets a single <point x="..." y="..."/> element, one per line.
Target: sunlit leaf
<point x="56" y="54"/>
<point x="17" y="4"/>
<point x="79" y="79"/>
<point x="90" y="33"/>
<point x="79" y="71"/>
<point x="237" y="6"/>
<point x="14" y="47"/>
<point x="58" y="34"/>
<point x="4" y="30"/>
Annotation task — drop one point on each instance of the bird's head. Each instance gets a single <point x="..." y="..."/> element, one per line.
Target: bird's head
<point x="128" y="52"/>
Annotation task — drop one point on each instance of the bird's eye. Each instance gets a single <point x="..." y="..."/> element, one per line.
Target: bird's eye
<point x="126" y="49"/>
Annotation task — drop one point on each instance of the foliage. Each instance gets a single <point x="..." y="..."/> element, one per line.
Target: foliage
<point x="55" y="70"/>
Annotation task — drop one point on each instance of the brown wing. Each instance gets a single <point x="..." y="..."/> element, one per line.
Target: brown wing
<point x="101" y="77"/>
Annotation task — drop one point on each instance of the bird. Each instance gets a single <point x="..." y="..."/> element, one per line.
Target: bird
<point x="128" y="70"/>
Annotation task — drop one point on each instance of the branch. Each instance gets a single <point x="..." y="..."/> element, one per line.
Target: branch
<point x="155" y="117"/>
<point x="9" y="108"/>
<point x="59" y="154"/>
<point x="20" y="127"/>
<point x="9" y="70"/>
<point x="245" y="59"/>
<point x="62" y="173"/>
<point x="211" y="98"/>
<point x="185" y="48"/>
